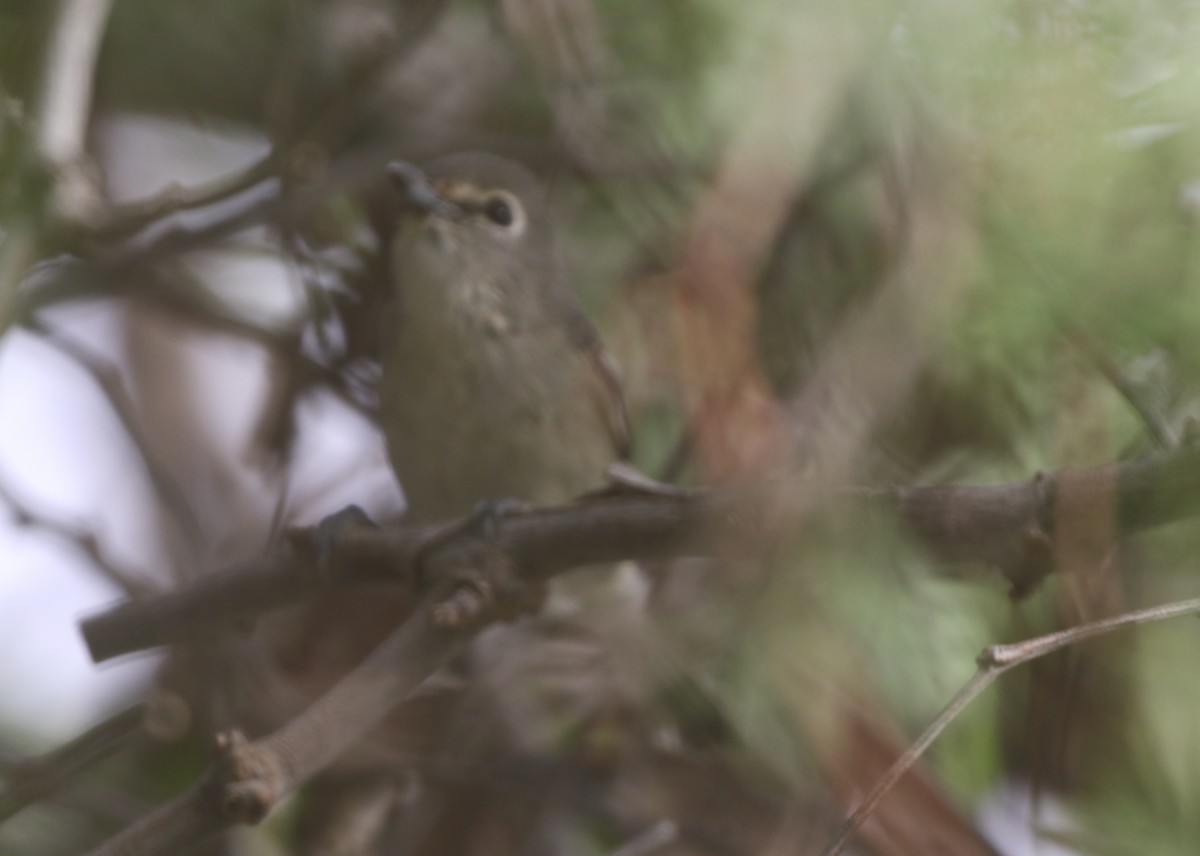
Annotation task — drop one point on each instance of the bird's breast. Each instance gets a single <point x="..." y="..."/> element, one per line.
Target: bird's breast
<point x="475" y="407"/>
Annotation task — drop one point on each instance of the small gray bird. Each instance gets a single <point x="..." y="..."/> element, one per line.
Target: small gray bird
<point x="495" y="384"/>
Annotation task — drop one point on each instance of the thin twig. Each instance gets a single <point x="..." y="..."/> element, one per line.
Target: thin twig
<point x="125" y="218"/>
<point x="33" y="779"/>
<point x="1160" y="432"/>
<point x="106" y="805"/>
<point x="81" y="537"/>
<point x="251" y="778"/>
<point x="994" y="661"/>
<point x="108" y="379"/>
<point x="288" y="158"/>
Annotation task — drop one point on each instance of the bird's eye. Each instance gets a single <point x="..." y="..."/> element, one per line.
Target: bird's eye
<point x="499" y="212"/>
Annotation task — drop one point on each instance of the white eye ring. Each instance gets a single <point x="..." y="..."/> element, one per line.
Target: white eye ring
<point x="504" y="211"/>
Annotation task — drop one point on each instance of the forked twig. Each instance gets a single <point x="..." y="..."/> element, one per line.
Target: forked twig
<point x="993" y="661"/>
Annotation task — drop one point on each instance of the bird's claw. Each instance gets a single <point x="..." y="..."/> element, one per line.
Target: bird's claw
<point x="485" y="581"/>
<point x="324" y="539"/>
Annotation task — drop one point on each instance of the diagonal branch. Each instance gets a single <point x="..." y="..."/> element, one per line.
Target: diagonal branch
<point x="108" y="379"/>
<point x="251" y="778"/>
<point x="81" y="537"/>
<point x="1156" y="424"/>
<point x="34" y="779"/>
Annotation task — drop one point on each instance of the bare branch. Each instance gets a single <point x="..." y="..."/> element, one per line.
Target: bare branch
<point x="124" y="219"/>
<point x="993" y="662"/>
<point x="81" y="537"/>
<point x="301" y="156"/>
<point x="66" y="106"/>
<point x="109" y="380"/>
<point x="1006" y="526"/>
<point x="34" y="779"/>
<point x="1160" y="432"/>
<point x="539" y="543"/>
<point x="251" y="778"/>
<point x="107" y="805"/>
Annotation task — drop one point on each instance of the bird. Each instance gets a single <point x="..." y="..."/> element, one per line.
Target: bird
<point x="495" y="384"/>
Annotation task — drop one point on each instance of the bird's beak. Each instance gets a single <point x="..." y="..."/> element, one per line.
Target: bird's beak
<point x="419" y="192"/>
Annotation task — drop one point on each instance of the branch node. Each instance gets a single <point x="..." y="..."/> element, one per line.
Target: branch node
<point x="247" y="779"/>
<point x="464" y="604"/>
<point x="1036" y="548"/>
<point x="1044" y="490"/>
<point x="988" y="658"/>
<point x="485" y="587"/>
<point x="469" y="561"/>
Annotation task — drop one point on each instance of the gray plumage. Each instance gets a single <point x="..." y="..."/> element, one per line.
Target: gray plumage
<point x="495" y="384"/>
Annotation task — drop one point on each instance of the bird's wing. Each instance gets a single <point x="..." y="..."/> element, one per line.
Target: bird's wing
<point x="605" y="383"/>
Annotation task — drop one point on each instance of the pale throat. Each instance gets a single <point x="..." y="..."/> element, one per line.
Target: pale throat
<point x="443" y="285"/>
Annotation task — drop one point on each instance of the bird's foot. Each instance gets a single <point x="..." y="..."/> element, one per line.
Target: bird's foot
<point x="323" y="541"/>
<point x="482" y="578"/>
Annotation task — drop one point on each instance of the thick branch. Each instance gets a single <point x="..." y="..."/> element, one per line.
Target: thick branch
<point x="992" y="523"/>
<point x="1008" y="526"/>
<point x="539" y="543"/>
